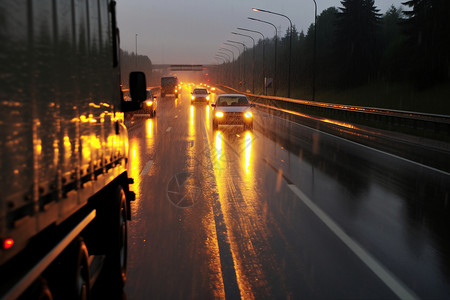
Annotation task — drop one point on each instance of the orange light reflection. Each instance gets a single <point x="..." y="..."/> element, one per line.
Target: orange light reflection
<point x="135" y="165"/>
<point x="247" y="152"/>
<point x="229" y="155"/>
<point x="218" y="144"/>
<point x="149" y="127"/>
<point x="150" y="141"/>
<point x="339" y="123"/>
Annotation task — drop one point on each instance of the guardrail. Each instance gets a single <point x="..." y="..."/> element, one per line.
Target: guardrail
<point x="432" y="126"/>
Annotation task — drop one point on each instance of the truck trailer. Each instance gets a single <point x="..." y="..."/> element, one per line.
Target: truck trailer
<point x="169" y="86"/>
<point x="64" y="196"/>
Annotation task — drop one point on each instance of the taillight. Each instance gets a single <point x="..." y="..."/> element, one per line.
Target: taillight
<point x="7" y="243"/>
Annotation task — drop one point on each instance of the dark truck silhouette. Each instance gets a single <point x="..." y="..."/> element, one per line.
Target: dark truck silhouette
<point x="169" y="86"/>
<point x="64" y="186"/>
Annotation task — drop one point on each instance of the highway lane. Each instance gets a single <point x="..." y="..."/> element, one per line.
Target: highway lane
<point x="281" y="212"/>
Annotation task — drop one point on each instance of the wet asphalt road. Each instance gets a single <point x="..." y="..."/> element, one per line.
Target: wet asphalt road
<point x="281" y="212"/>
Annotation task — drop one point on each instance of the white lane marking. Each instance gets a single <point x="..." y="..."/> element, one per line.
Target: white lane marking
<point x="147" y="168"/>
<point x="396" y="286"/>
<point x="374" y="149"/>
<point x="169" y="129"/>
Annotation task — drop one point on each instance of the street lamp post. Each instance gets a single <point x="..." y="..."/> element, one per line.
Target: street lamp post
<point x="314" y="55"/>
<point x="253" y="59"/>
<point x="232" y="64"/>
<point x="275" y="53"/>
<point x="217" y="58"/>
<point x="227" y="57"/>
<point x="239" y="52"/>
<point x="222" y="56"/>
<point x="135" y="58"/>
<point x="232" y="53"/>
<point x="290" y="44"/>
<point x="243" y="58"/>
<point x="263" y="59"/>
<point x="222" y="70"/>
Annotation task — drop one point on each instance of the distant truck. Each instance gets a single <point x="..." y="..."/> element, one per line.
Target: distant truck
<point x="170" y="86"/>
<point x="64" y="185"/>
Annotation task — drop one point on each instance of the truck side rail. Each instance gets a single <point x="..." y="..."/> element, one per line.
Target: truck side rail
<point x="19" y="287"/>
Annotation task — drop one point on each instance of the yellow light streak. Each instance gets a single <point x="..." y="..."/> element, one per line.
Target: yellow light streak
<point x="248" y="152"/>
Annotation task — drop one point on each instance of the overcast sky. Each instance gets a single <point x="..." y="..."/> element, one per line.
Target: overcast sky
<point x="191" y="31"/>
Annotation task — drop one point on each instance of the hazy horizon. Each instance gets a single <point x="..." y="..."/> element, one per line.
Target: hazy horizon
<point x="190" y="32"/>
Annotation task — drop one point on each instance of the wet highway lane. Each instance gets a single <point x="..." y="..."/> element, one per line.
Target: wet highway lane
<point x="283" y="212"/>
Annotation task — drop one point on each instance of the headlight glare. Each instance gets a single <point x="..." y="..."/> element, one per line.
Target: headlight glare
<point x="248" y="114"/>
<point x="219" y="114"/>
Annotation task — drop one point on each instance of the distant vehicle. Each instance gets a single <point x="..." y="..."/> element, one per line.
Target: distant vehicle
<point x="149" y="105"/>
<point x="170" y="86"/>
<point x="232" y="109"/>
<point x="200" y="95"/>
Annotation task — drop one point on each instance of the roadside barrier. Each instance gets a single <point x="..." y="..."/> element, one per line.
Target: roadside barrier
<point x="431" y="126"/>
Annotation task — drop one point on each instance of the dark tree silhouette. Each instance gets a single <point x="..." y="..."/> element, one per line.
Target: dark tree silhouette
<point x="393" y="60"/>
<point x="356" y="43"/>
<point x="129" y="62"/>
<point x="326" y="74"/>
<point x="428" y="31"/>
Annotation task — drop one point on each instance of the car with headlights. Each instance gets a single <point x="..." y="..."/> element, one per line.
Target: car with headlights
<point x="232" y="109"/>
<point x="200" y="95"/>
<point x="149" y="104"/>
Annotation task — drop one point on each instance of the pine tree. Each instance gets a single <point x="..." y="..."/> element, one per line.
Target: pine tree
<point x="393" y="59"/>
<point x="325" y="73"/>
<point x="428" y="32"/>
<point x="356" y="41"/>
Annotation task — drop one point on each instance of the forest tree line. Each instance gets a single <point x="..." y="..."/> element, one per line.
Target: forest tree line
<point x="355" y="45"/>
<point x="129" y="63"/>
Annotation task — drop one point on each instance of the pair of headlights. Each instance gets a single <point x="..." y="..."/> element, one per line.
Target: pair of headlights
<point x="193" y="97"/>
<point x="248" y="114"/>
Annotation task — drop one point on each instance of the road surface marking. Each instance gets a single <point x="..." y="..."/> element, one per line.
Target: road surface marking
<point x="147" y="168"/>
<point x="396" y="286"/>
<point x="227" y="263"/>
<point x="169" y="129"/>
